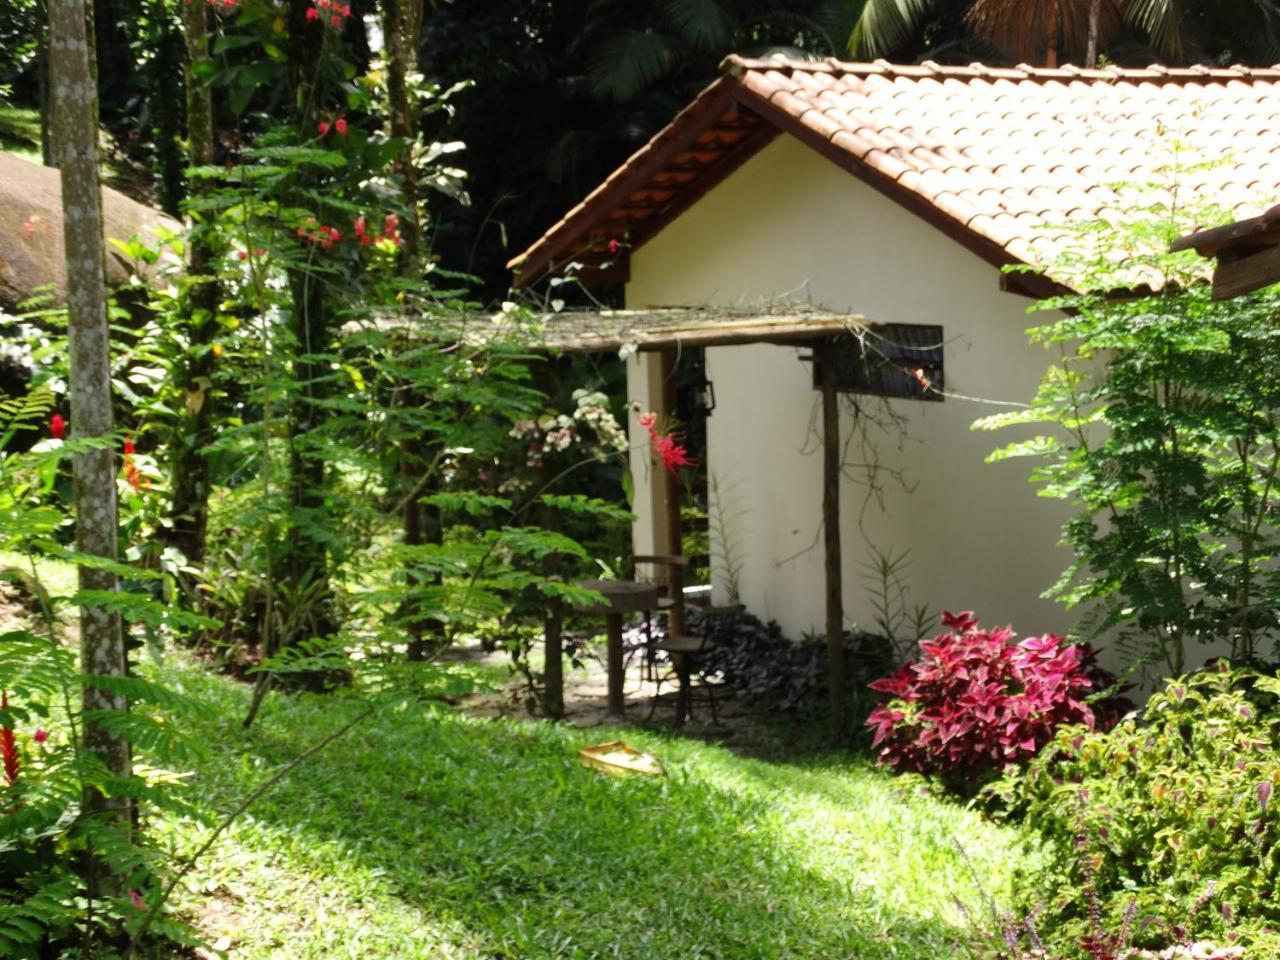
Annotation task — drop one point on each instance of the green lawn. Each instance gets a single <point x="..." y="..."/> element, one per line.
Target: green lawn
<point x="20" y="131"/>
<point x="445" y="836"/>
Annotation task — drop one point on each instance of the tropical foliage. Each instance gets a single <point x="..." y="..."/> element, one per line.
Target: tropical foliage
<point x="1167" y="817"/>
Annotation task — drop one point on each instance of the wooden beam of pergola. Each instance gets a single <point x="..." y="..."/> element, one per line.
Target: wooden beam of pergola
<point x="1248" y="253"/>
<point x="665" y="328"/>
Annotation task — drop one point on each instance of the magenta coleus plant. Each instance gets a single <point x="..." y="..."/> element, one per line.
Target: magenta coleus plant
<point x="977" y="700"/>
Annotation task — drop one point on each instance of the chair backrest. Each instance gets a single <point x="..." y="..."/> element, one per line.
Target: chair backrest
<point x="669" y="571"/>
<point x="658" y="568"/>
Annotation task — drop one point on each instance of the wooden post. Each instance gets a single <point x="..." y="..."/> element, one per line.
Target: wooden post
<point x="613" y="633"/>
<point x="671" y="501"/>
<point x="553" y="671"/>
<point x="831" y="532"/>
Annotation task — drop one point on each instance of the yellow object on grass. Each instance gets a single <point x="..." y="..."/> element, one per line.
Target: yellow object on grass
<point x="619" y="759"/>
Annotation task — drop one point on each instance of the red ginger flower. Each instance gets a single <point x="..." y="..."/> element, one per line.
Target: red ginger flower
<point x="9" y="747"/>
<point x="323" y="127"/>
<point x="312" y="13"/>
<point x="133" y="475"/>
<point x="665" y="446"/>
<point x="57" y="427"/>
<point x="41" y="735"/>
<point x="335" y="22"/>
<point x="340" y="125"/>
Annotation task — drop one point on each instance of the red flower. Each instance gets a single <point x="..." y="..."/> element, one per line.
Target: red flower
<point x="57" y="427"/>
<point x="323" y="127"/>
<point x="243" y="255"/>
<point x="312" y="13"/>
<point x="334" y="233"/>
<point x="361" y="226"/>
<point x="136" y="899"/>
<point x="335" y="21"/>
<point x="390" y="224"/>
<point x="345" y="11"/>
<point x="918" y="375"/>
<point x="665" y="446"/>
<point x="40" y="736"/>
<point x="259" y="251"/>
<point x="614" y="246"/>
<point x="132" y="475"/>
<point x="9" y="747"/>
<point x="340" y="125"/>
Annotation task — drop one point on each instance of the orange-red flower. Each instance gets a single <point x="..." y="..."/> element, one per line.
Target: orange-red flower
<point x="9" y="747"/>
<point x="666" y="446"/>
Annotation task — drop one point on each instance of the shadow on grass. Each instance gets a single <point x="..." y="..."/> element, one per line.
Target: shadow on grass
<point x="493" y="826"/>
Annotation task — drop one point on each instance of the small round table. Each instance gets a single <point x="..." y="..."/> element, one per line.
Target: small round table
<point x="620" y="596"/>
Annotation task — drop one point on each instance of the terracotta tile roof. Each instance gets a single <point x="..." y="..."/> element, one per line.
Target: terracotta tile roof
<point x="994" y="156"/>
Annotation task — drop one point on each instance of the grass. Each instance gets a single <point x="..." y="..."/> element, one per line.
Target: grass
<point x="20" y="131"/>
<point x="438" y="834"/>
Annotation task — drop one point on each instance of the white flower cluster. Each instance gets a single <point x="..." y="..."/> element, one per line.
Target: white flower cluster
<point x="556" y="433"/>
<point x="593" y="410"/>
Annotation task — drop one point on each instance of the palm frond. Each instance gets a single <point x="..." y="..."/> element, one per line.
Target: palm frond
<point x="1160" y="20"/>
<point x="883" y="25"/>
<point x="704" y="24"/>
<point x="629" y="62"/>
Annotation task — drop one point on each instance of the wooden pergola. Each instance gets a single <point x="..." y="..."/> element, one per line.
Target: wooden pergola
<point x="666" y="331"/>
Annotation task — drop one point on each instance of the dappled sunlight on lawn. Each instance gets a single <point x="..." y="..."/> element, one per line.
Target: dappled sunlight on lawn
<point x="450" y="835"/>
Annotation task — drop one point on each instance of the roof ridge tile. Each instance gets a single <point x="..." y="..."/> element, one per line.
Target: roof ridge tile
<point x="736" y="65"/>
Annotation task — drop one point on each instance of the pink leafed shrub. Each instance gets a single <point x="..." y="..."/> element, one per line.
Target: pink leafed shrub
<point x="977" y="701"/>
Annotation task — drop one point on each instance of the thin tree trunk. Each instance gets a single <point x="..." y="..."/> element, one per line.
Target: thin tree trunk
<point x="48" y="155"/>
<point x="1091" y="52"/>
<point x="166" y="106"/>
<point x="311" y="612"/>
<point x="401" y="27"/>
<point x="1051" y="36"/>
<point x="101" y="637"/>
<point x="189" y="508"/>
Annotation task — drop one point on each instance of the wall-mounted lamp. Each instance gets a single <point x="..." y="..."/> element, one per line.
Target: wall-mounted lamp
<point x="704" y="397"/>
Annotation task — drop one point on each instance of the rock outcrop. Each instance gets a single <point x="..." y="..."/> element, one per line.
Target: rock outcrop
<point x="31" y="252"/>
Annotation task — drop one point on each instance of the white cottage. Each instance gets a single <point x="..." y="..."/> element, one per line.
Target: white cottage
<point x="894" y="194"/>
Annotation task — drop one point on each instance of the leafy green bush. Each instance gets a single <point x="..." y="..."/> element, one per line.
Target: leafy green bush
<point x="1173" y="808"/>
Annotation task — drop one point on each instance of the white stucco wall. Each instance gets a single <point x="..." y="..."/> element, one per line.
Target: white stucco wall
<point x="790" y="223"/>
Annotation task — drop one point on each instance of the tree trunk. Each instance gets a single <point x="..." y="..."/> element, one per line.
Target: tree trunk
<point x="165" y="94"/>
<point x="402" y="26"/>
<point x="311" y="612"/>
<point x="97" y="528"/>
<point x="189" y="507"/>
<point x="310" y="601"/>
<point x="1051" y="36"/>
<point x="48" y="154"/>
<point x="1091" y="51"/>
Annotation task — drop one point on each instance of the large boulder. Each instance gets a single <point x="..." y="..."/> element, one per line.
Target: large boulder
<point x="31" y="253"/>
